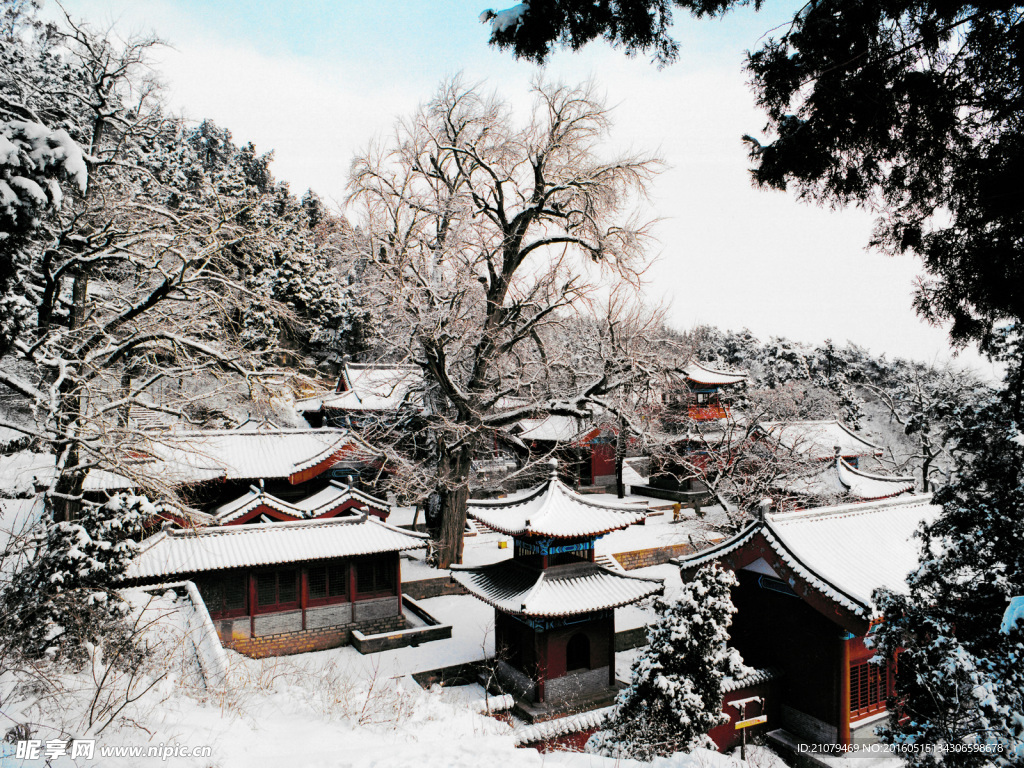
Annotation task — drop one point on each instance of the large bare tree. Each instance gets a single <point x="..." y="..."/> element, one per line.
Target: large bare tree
<point x="485" y="233"/>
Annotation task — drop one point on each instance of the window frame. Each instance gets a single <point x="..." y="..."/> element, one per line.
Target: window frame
<point x="344" y="566"/>
<point x="277" y="606"/>
<point x="377" y="591"/>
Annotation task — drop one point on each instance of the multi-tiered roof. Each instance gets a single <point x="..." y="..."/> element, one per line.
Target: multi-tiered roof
<point x="552" y="572"/>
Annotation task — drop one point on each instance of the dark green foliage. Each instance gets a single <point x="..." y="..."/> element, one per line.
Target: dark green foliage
<point x="960" y="678"/>
<point x="911" y="108"/>
<point x="675" y="696"/>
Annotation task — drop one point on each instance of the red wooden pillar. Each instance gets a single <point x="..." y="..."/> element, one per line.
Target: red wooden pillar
<point x="540" y="642"/>
<point x="352" y="587"/>
<point x="844" y="688"/>
<point x="398" y="580"/>
<point x="252" y="604"/>
<point x="611" y="650"/>
<point x="303" y="594"/>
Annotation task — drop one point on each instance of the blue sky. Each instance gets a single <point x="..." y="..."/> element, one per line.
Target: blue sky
<point x="317" y="80"/>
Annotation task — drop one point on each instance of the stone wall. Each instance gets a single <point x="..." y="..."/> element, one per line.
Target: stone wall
<point x="312" y="639"/>
<point x="423" y="589"/>
<point x="574" y="685"/>
<point x="809" y="727"/>
<point x="642" y="558"/>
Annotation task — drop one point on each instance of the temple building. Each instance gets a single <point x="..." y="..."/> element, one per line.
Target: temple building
<point x="554" y="621"/>
<point x="820" y="440"/>
<point x="337" y="499"/>
<point x="287" y="587"/>
<point x="705" y="390"/>
<point x="366" y="393"/>
<point x="839" y="480"/>
<point x="805" y="608"/>
<point x="584" y="447"/>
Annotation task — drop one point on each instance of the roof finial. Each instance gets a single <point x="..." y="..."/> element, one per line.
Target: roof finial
<point x="553" y="463"/>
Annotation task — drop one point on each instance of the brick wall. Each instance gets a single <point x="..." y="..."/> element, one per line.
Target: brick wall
<point x="642" y="558"/>
<point x="320" y="639"/>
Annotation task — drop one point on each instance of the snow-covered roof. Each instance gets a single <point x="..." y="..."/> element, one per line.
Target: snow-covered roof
<point x="243" y="455"/>
<point x="846" y="552"/>
<point x="553" y="429"/>
<point x="21" y="471"/>
<point x="370" y="387"/>
<point x="172" y="552"/>
<point x="553" y="509"/>
<point x="840" y="478"/>
<point x="819" y="439"/>
<point x="563" y="591"/>
<point x="703" y="374"/>
<point x="319" y="504"/>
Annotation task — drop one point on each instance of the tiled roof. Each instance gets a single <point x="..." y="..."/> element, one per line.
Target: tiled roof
<point x="563" y="591"/>
<point x="244" y="455"/>
<point x="320" y="503"/>
<point x="866" y="485"/>
<point x="839" y="478"/>
<point x="846" y="552"/>
<point x="553" y="509"/>
<point x="702" y="374"/>
<point x="819" y="439"/>
<point x="173" y="552"/>
<point x="371" y="388"/>
<point x="20" y="471"/>
<point x="561" y="429"/>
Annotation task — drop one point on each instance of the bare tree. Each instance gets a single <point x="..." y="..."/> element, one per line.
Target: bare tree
<point x="129" y="282"/>
<point x="484" y="233"/>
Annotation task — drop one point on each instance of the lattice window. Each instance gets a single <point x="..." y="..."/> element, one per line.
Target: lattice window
<point x="869" y="687"/>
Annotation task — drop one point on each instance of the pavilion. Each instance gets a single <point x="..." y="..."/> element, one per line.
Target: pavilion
<point x="554" y="621"/>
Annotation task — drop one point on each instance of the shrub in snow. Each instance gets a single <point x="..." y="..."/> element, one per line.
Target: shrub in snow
<point x="60" y="597"/>
<point x="675" y="696"/>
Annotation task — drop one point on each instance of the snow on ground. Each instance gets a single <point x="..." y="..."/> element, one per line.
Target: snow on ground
<point x="314" y="710"/>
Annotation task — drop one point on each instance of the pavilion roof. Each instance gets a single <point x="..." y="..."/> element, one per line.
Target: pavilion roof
<point x="321" y="503"/>
<point x="699" y="373"/>
<point x="552" y="429"/>
<point x="173" y="552"/>
<point x="563" y="591"/>
<point x="845" y="552"/>
<point x="552" y="509"/>
<point x="819" y="439"/>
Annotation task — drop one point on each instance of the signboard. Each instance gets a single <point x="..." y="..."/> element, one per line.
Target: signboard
<point x="751" y="721"/>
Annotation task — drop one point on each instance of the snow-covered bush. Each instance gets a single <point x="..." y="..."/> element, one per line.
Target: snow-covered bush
<point x="60" y="596"/>
<point x="675" y="696"/>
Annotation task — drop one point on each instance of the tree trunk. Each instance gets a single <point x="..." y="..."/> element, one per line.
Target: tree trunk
<point x="620" y="459"/>
<point x="453" y="487"/>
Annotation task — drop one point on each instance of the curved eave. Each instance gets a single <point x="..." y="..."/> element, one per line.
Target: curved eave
<point x="813" y="579"/>
<point x="786" y="556"/>
<point x="470" y="578"/>
<point x="705" y="556"/>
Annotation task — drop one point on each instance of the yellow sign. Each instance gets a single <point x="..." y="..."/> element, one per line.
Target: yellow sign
<point x="751" y="721"/>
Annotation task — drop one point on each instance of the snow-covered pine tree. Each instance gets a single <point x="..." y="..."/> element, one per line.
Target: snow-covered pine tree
<point x="960" y="675"/>
<point x="59" y="597"/>
<point x="675" y="697"/>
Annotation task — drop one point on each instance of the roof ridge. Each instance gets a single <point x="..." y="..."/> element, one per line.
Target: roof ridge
<point x="224" y="530"/>
<point x="872" y="475"/>
<point x="850" y="508"/>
